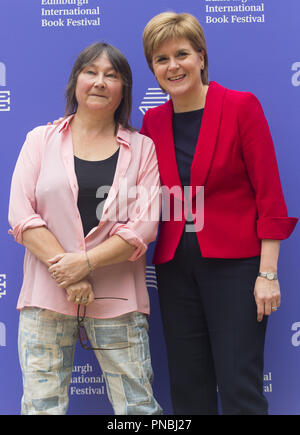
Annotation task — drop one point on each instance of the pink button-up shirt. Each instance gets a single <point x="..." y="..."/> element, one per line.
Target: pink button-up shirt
<point x="44" y="192"/>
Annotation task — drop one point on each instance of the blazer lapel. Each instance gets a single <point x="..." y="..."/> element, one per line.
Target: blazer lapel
<point x="208" y="134"/>
<point x="166" y="151"/>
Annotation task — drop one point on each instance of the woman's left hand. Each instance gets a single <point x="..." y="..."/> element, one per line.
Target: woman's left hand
<point x="68" y="268"/>
<point x="267" y="297"/>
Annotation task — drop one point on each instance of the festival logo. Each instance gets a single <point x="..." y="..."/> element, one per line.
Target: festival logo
<point x="2" y="285"/>
<point x="4" y="94"/>
<point x="151" y="280"/>
<point x="69" y="13"/>
<point x="85" y="382"/>
<point x="154" y="97"/>
<point x="234" y="12"/>
<point x="268" y="382"/>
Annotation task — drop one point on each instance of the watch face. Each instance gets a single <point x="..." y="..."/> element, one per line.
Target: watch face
<point x="270" y="275"/>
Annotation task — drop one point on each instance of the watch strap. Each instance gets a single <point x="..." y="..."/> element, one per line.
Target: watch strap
<point x="269" y="275"/>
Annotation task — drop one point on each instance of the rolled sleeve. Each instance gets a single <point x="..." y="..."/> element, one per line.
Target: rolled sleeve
<point x="277" y="228"/>
<point x="33" y="221"/>
<point x="144" y="212"/>
<point x="132" y="238"/>
<point x="260" y="159"/>
<point x="22" y="204"/>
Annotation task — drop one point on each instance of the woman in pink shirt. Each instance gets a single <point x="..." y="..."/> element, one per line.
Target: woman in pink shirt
<point x="85" y="204"/>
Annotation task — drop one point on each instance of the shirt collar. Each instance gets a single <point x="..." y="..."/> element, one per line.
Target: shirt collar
<point x="123" y="135"/>
<point x="66" y="123"/>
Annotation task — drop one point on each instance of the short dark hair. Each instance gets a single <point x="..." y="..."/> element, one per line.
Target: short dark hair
<point x="119" y="63"/>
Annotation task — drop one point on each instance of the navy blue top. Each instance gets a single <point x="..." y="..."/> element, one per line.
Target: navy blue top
<point x="186" y="128"/>
<point x="90" y="176"/>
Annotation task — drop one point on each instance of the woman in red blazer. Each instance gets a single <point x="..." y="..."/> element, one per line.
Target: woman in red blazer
<point x="218" y="282"/>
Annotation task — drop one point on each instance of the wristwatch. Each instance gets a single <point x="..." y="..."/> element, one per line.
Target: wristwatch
<point x="271" y="276"/>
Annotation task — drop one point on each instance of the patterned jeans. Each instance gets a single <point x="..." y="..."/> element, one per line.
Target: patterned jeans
<point x="46" y="348"/>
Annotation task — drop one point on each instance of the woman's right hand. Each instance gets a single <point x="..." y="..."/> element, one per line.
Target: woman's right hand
<point x="80" y="292"/>
<point x="56" y="121"/>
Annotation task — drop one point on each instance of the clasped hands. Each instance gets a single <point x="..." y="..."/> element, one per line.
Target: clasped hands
<point x="69" y="270"/>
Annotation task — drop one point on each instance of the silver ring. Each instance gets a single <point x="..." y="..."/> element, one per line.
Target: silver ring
<point x="77" y="299"/>
<point x="274" y="308"/>
<point x="84" y="300"/>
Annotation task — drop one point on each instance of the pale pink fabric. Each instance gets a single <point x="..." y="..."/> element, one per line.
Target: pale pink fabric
<point x="44" y="193"/>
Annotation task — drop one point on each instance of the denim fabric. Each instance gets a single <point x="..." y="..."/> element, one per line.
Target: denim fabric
<point x="46" y="349"/>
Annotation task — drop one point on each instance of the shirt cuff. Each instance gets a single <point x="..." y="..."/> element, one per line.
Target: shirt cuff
<point x="132" y="238"/>
<point x="33" y="221"/>
<point x="276" y="228"/>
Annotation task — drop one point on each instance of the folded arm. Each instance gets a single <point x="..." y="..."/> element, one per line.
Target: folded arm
<point x="71" y="267"/>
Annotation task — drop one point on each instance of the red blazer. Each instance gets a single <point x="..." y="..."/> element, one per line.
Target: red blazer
<point x="235" y="162"/>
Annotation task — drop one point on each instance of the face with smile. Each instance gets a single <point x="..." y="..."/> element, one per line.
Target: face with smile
<point x="99" y="87"/>
<point x="177" y="67"/>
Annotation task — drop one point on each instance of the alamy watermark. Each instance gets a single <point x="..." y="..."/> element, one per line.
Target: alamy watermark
<point x="138" y="203"/>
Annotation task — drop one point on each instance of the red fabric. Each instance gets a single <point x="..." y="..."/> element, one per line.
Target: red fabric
<point x="236" y="163"/>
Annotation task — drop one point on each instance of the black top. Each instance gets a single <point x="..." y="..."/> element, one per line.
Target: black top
<point x="186" y="128"/>
<point x="90" y="176"/>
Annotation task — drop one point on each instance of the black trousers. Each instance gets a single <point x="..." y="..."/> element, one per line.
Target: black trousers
<point x="213" y="338"/>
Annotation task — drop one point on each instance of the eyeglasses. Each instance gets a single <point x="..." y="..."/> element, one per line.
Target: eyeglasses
<point x="83" y="338"/>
